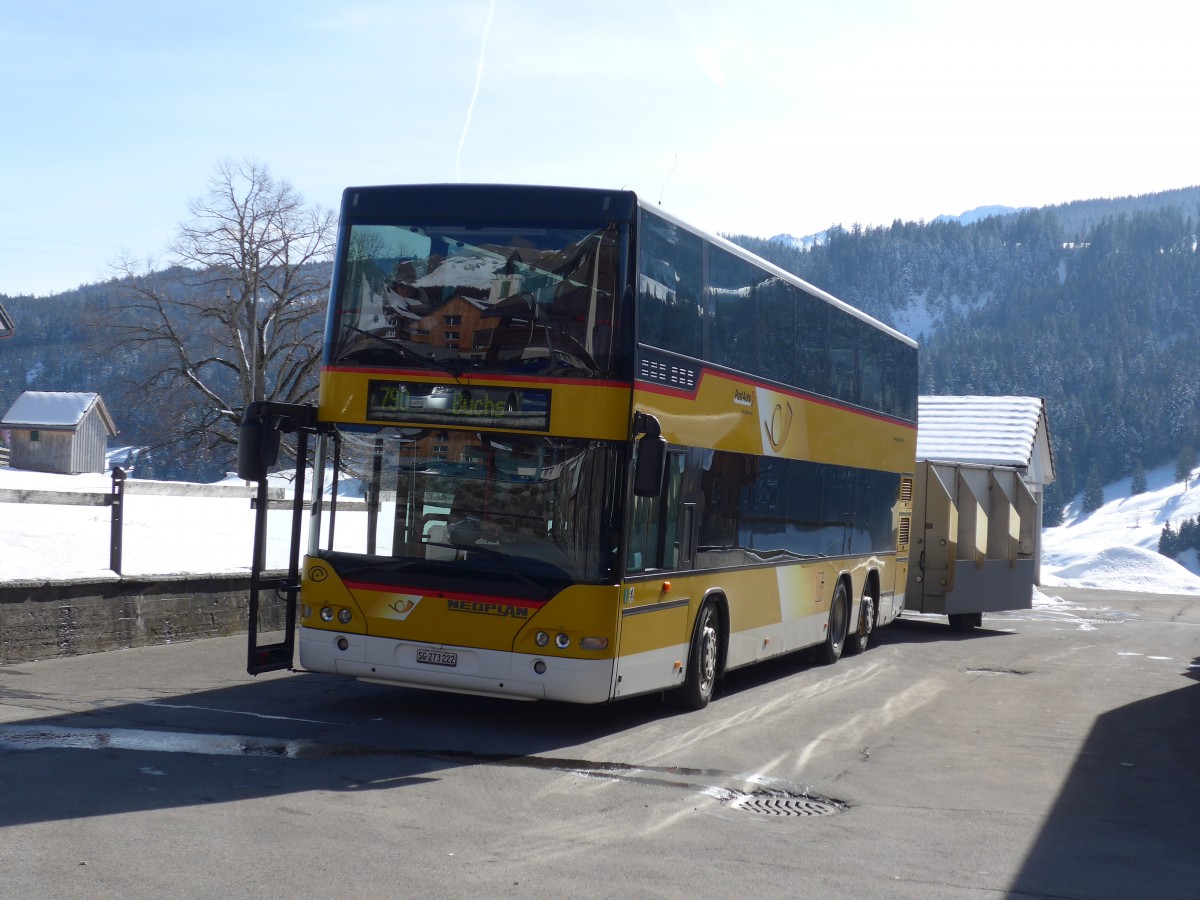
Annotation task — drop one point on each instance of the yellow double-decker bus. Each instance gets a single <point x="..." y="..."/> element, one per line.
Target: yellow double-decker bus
<point x="599" y="454"/>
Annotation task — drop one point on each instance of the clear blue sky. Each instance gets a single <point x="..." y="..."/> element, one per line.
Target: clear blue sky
<point x="747" y="116"/>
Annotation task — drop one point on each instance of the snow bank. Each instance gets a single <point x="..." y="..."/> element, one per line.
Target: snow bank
<point x="1126" y="569"/>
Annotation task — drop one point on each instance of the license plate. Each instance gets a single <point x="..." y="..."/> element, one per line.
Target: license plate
<point x="437" y="657"/>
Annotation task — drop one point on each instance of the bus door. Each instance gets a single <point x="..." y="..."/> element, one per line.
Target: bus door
<point x="654" y="607"/>
<point x="272" y="602"/>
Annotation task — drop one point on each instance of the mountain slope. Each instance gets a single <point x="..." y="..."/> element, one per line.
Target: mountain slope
<point x="1094" y="306"/>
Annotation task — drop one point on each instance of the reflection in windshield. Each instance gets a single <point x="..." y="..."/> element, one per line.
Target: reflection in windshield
<point x="533" y="508"/>
<point x="528" y="301"/>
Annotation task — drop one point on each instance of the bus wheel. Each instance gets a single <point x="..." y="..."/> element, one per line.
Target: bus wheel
<point x="697" y="690"/>
<point x="839" y="623"/>
<point x="858" y="641"/>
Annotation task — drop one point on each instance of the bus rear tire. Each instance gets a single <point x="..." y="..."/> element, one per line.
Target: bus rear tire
<point x="858" y="642"/>
<point x="702" y="663"/>
<point x="839" y="624"/>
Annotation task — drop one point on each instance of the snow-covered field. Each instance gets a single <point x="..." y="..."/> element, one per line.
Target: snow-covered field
<point x="1116" y="547"/>
<point x="162" y="535"/>
<point x="1113" y="548"/>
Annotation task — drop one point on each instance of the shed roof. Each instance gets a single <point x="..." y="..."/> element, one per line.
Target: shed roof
<point x="56" y="409"/>
<point x="996" y="431"/>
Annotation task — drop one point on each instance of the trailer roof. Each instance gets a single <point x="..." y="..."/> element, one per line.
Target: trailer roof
<point x="997" y="431"/>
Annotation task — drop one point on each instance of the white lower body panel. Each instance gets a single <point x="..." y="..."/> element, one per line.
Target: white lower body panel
<point x="654" y="670"/>
<point x="493" y="673"/>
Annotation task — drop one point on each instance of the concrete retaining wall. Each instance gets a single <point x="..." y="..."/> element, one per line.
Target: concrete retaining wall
<point x="48" y="620"/>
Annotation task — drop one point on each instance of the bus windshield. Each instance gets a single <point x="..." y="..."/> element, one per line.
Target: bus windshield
<point x="533" y="513"/>
<point x="526" y="301"/>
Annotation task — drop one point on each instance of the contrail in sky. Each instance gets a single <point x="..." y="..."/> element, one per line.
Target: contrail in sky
<point x="487" y="28"/>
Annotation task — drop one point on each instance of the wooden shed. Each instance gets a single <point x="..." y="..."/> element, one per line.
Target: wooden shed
<point x="59" y="431"/>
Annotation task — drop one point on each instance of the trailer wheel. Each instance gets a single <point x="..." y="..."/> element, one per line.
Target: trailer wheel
<point x="857" y="642"/>
<point x="839" y="623"/>
<point x="965" y="621"/>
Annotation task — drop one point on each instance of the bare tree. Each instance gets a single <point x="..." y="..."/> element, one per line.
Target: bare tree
<point x="239" y="318"/>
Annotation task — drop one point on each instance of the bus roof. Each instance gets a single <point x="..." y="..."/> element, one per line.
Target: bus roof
<point x="454" y="202"/>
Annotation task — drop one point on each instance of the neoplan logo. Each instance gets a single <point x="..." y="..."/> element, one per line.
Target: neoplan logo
<point x="488" y="609"/>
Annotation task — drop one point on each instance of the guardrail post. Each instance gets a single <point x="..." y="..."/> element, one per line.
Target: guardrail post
<point x="117" y="501"/>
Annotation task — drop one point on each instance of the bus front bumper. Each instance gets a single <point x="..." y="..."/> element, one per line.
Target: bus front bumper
<point x="491" y="673"/>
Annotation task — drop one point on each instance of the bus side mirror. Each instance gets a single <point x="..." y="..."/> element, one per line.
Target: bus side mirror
<point x="259" y="435"/>
<point x="258" y="442"/>
<point x="651" y="466"/>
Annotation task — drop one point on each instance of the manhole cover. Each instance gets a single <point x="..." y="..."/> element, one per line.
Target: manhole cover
<point x="775" y="804"/>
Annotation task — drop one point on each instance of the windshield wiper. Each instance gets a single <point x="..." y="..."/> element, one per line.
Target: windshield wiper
<point x="405" y="352"/>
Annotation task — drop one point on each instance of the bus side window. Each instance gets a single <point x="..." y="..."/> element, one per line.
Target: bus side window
<point x="730" y="301"/>
<point x="843" y="364"/>
<point x="670" y="261"/>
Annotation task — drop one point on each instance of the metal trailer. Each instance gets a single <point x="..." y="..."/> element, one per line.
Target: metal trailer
<point x="977" y="549"/>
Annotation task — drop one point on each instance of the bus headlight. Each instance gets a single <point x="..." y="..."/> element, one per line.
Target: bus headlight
<point x="344" y="616"/>
<point x="562" y="641"/>
<point x="541" y="639"/>
<point x="326" y="613"/>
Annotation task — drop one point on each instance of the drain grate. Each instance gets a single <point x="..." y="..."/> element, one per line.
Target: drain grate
<point x="773" y="803"/>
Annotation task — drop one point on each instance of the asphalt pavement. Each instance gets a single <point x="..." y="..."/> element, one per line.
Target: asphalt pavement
<point x="1050" y="753"/>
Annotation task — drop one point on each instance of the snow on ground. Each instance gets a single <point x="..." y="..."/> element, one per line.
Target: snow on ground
<point x="1113" y="548"/>
<point x="1116" y="547"/>
<point x="162" y="535"/>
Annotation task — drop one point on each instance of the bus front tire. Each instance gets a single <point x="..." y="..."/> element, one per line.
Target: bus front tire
<point x="703" y="658"/>
<point x="839" y="624"/>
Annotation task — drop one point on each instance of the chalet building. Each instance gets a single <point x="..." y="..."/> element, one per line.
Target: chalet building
<point x="458" y="325"/>
<point x="65" y="432"/>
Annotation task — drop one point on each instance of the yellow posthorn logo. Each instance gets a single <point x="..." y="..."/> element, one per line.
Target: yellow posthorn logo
<point x="778" y="425"/>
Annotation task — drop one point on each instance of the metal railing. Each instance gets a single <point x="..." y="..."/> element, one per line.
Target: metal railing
<point x="114" y="499"/>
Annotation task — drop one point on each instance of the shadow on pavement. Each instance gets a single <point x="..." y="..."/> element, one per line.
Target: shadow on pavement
<point x="909" y="630"/>
<point x="276" y="737"/>
<point x="1127" y="822"/>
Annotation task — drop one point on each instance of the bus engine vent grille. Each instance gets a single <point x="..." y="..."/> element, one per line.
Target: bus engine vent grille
<point x="906" y="490"/>
<point x="669" y="373"/>
<point x="904" y="531"/>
